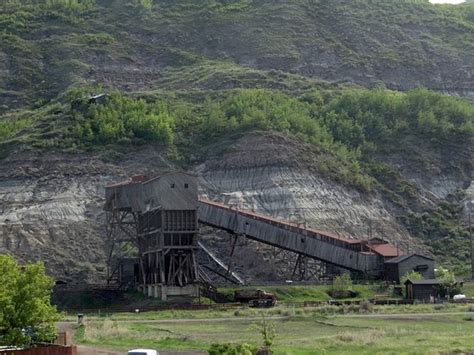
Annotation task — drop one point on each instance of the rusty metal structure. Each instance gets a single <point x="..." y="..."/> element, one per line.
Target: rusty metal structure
<point x="157" y="219"/>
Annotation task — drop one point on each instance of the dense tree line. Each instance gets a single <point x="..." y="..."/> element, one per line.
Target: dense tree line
<point x="349" y="124"/>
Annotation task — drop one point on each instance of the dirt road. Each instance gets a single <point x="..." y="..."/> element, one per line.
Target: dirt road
<point x="89" y="350"/>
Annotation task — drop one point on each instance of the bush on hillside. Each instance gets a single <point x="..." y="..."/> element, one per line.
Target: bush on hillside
<point x="232" y="349"/>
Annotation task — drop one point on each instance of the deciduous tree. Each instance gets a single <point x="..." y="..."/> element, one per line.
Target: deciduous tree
<point x="26" y="313"/>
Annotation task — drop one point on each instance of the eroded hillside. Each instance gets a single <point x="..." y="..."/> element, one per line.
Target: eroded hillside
<point x="52" y="202"/>
<point x="263" y="100"/>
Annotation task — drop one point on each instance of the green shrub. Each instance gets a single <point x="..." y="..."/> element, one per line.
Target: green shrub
<point x="413" y="275"/>
<point x="143" y="6"/>
<point x="449" y="285"/>
<point x="96" y="39"/>
<point x="468" y="317"/>
<point x="267" y="330"/>
<point x="366" y="306"/>
<point x="8" y="129"/>
<point x="329" y="309"/>
<point x="232" y="349"/>
<point x="354" y="308"/>
<point x="121" y="119"/>
<point x="341" y="287"/>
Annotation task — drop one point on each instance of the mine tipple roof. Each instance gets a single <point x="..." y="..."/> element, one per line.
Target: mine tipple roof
<point x="169" y="191"/>
<point x="137" y="179"/>
<point x="143" y="179"/>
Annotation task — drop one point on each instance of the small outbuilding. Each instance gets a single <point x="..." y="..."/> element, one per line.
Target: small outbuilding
<point x="423" y="290"/>
<point x="395" y="268"/>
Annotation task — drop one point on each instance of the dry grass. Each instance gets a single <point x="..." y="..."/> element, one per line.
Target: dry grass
<point x="105" y="329"/>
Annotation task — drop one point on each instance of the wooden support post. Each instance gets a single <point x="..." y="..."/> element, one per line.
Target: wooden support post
<point x="234" y="239"/>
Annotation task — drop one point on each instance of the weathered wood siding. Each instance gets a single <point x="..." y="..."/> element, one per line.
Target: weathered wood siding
<point x="124" y="197"/>
<point x="286" y="237"/>
<point x="411" y="264"/>
<point x="178" y="191"/>
<point x="173" y="191"/>
<point x="422" y="292"/>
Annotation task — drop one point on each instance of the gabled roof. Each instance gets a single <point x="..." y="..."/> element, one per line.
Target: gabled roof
<point x="143" y="179"/>
<point x="401" y="258"/>
<point x="386" y="250"/>
<point x="175" y="172"/>
<point x="133" y="180"/>
<point x="376" y="240"/>
<point x="378" y="246"/>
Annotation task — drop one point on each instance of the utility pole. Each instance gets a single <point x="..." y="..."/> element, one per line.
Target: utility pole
<point x="370" y="229"/>
<point x="472" y="244"/>
<point x="470" y="206"/>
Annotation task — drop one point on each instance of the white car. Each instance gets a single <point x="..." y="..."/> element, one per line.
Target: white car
<point x="143" y="352"/>
<point x="459" y="298"/>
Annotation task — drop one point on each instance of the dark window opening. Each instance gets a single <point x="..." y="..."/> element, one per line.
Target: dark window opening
<point x="172" y="186"/>
<point x="421" y="267"/>
<point x="186" y="186"/>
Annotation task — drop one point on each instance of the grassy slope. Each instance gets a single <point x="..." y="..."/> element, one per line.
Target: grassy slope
<point x="185" y="44"/>
<point x="308" y="293"/>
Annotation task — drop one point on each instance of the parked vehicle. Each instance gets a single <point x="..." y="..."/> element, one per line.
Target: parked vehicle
<point x="143" y="352"/>
<point x="460" y="298"/>
<point x="255" y="298"/>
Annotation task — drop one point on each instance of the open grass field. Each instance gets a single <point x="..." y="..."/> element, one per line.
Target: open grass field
<point x="413" y="329"/>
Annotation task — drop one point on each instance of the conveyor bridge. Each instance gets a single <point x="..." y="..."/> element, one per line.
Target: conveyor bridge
<point x="324" y="246"/>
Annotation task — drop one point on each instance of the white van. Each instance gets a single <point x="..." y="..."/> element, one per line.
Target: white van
<point x="142" y="352"/>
